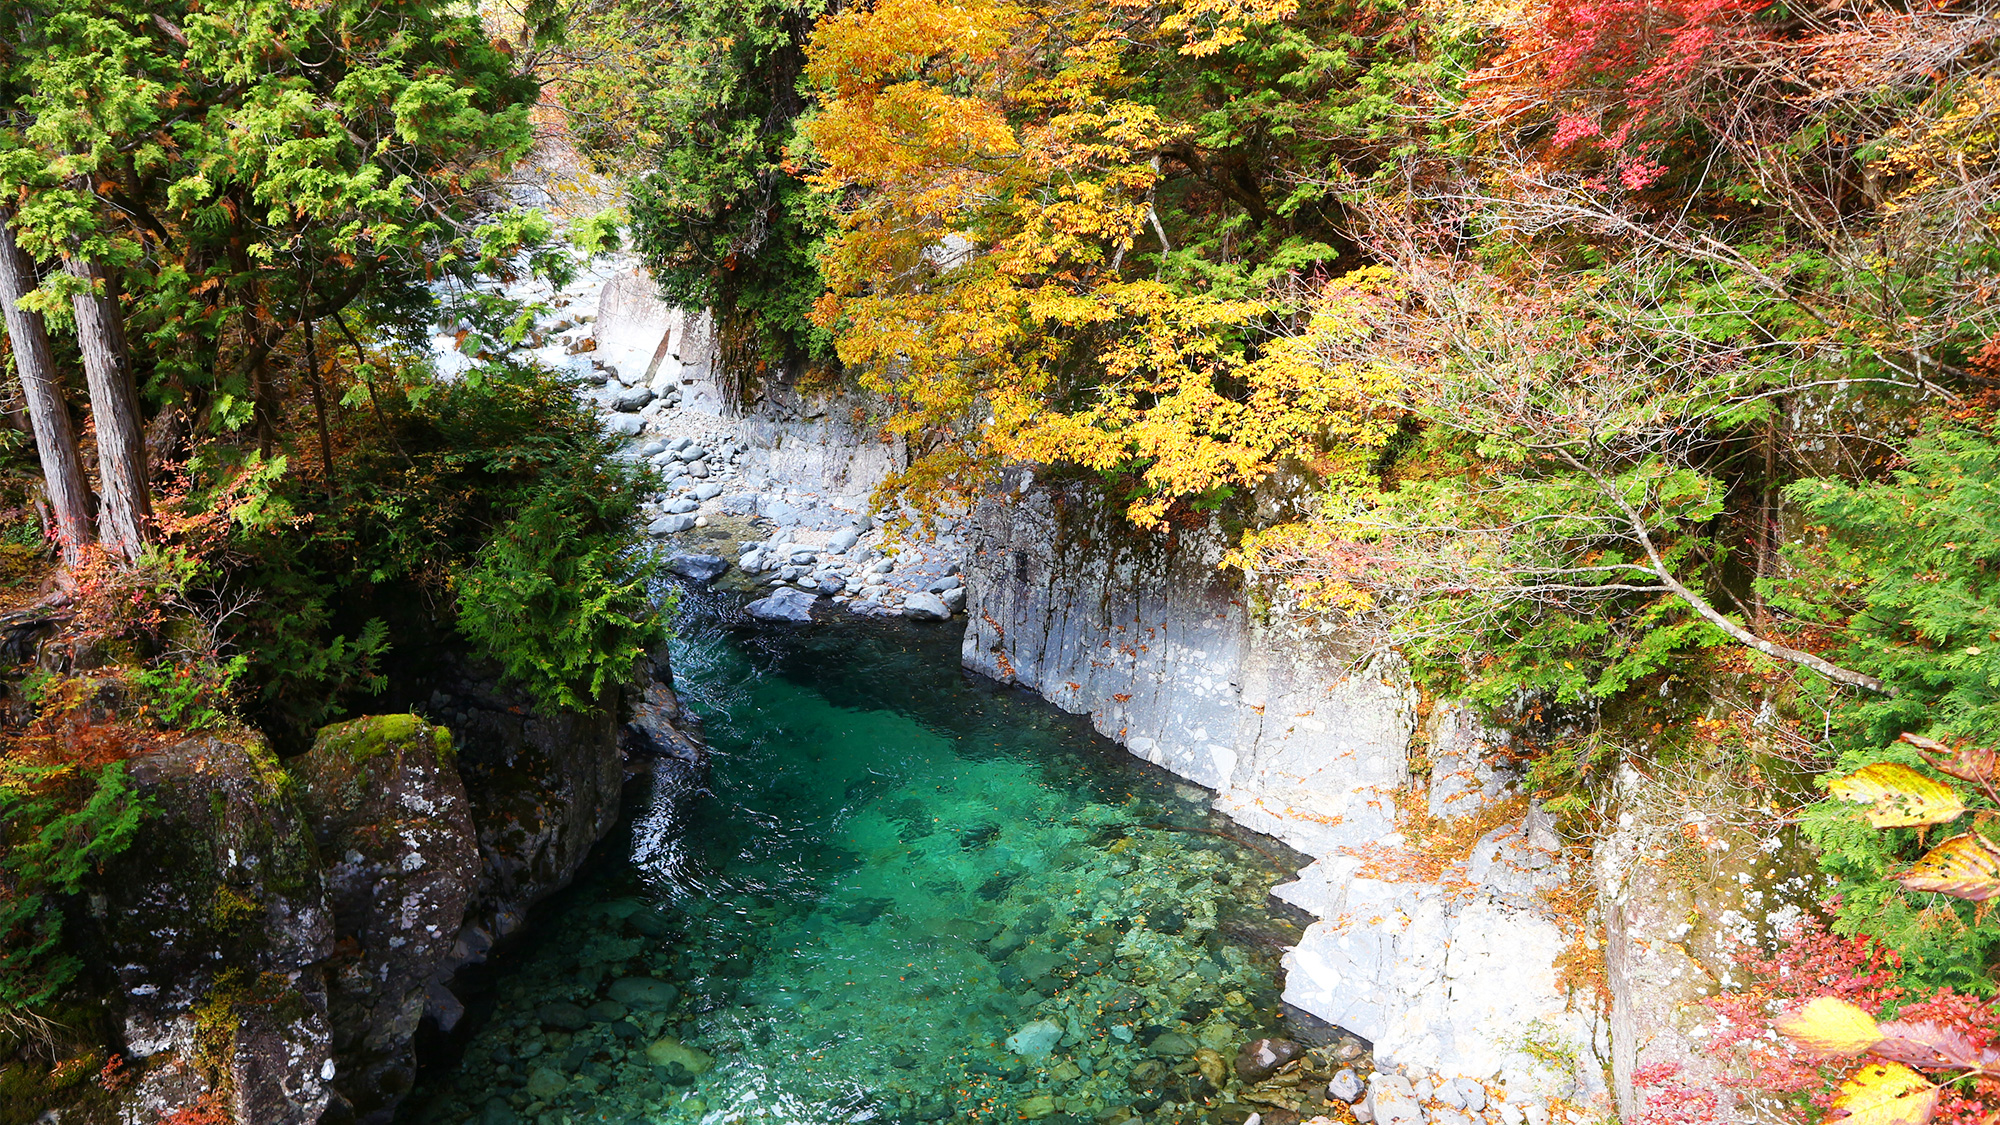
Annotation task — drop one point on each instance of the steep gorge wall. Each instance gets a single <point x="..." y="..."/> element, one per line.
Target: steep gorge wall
<point x="1449" y="963"/>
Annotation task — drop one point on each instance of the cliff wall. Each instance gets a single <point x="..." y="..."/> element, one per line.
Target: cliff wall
<point x="1443" y="950"/>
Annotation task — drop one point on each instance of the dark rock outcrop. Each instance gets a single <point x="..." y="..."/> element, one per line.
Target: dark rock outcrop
<point x="214" y="923"/>
<point x="270" y="944"/>
<point x="394" y="829"/>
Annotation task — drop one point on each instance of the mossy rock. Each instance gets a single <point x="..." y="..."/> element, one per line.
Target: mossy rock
<point x="359" y="740"/>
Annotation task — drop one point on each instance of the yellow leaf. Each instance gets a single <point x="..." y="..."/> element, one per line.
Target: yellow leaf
<point x="1898" y="795"/>
<point x="1966" y="866"/>
<point x="1886" y="1094"/>
<point x="1830" y="1026"/>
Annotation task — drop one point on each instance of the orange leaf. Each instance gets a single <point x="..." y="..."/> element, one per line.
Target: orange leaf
<point x="1966" y="866"/>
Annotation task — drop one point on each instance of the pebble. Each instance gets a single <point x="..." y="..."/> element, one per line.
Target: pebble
<point x="1345" y="1087"/>
<point x="1392" y="1101"/>
<point x="698" y="568"/>
<point x="784" y="604"/>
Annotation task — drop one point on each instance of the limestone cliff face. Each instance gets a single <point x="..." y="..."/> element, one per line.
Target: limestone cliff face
<point x="1445" y="961"/>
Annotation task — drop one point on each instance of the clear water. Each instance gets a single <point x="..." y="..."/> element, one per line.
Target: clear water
<point x="891" y="871"/>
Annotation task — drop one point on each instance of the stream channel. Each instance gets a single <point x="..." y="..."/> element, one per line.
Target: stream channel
<point x="901" y="894"/>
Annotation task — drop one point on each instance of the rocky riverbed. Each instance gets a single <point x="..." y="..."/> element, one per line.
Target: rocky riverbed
<point x="728" y="510"/>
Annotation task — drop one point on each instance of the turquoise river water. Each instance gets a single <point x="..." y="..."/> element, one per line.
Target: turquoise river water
<point x="901" y="894"/>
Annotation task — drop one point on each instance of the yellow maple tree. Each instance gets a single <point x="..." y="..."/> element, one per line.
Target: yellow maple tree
<point x="995" y="178"/>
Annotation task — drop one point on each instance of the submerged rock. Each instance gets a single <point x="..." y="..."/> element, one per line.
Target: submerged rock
<point x="668" y="1052"/>
<point x="1036" y="1040"/>
<point x="1261" y="1058"/>
<point x="564" y="1016"/>
<point x="644" y="993"/>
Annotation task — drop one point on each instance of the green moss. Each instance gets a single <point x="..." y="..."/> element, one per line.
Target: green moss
<point x="359" y="740"/>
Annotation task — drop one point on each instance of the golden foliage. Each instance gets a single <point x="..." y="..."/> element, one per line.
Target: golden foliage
<point x="1898" y="796"/>
<point x="995" y="179"/>
<point x="1829" y="1025"/>
<point x="1966" y="866"/>
<point x="1887" y="1094"/>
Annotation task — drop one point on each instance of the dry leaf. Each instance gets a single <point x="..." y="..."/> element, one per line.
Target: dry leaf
<point x="1829" y="1025"/>
<point x="1967" y="763"/>
<point x="1886" y="1094"/>
<point x="1898" y="795"/>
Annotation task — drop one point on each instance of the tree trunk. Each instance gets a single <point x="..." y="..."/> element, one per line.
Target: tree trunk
<point x="124" y="520"/>
<point x="55" y="438"/>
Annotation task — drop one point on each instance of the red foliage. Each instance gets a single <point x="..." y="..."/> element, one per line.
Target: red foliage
<point x="1809" y="963"/>
<point x="1667" y="1099"/>
<point x="1621" y="74"/>
<point x="209" y="1109"/>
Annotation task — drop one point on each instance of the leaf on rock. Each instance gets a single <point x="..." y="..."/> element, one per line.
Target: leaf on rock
<point x="1967" y="763"/>
<point x="1829" y="1025"/>
<point x="1965" y="866"/>
<point x="1886" y="1094"/>
<point x="1898" y="795"/>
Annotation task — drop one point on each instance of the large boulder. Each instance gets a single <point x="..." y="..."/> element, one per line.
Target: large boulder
<point x="784" y="604"/>
<point x="391" y="818"/>
<point x="213" y="925"/>
<point x="701" y="569"/>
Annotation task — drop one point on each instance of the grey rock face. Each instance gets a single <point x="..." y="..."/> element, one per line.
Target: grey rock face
<point x="1155" y="642"/>
<point x="391" y="819"/>
<point x="786" y="604"/>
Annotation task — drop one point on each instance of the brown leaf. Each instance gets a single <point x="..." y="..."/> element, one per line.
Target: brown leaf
<point x="1967" y="763"/>
<point x="1932" y="1046"/>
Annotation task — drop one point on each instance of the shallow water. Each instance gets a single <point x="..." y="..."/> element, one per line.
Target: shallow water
<point x="902" y="894"/>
